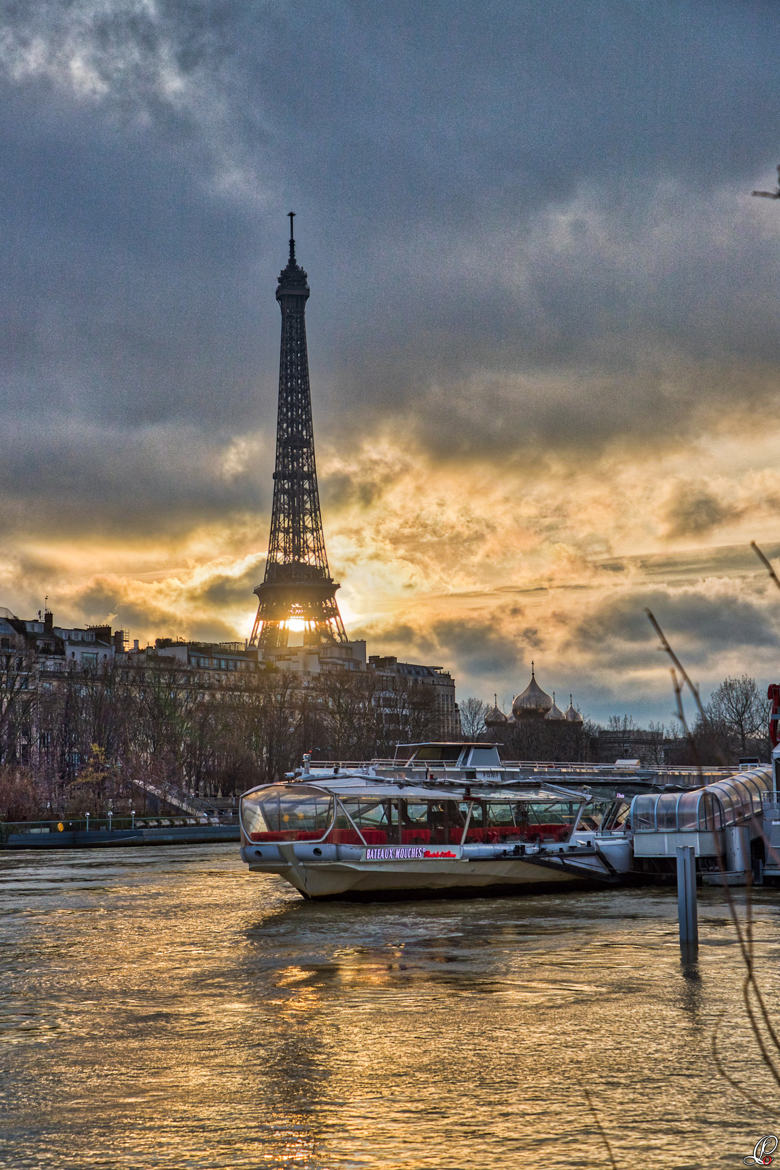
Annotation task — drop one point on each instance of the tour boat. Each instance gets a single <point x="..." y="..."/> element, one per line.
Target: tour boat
<point x="357" y="833"/>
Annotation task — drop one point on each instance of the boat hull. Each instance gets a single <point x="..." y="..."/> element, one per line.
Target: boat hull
<point x="462" y="877"/>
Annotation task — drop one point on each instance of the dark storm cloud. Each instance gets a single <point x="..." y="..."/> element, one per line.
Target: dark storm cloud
<point x="479" y="304"/>
<point x="473" y="110"/>
<point x="108" y="602"/>
<point x="57" y="473"/>
<point x="700" y="626"/>
<point x="469" y="646"/>
<point x="128" y="290"/>
<point x="341" y="490"/>
<point x="397" y="633"/>
<point x="428" y="151"/>
<point x="692" y="512"/>
<point x="477" y="646"/>
<point x="223" y="590"/>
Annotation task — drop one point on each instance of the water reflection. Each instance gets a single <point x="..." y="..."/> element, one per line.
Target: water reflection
<point x="164" y="1008"/>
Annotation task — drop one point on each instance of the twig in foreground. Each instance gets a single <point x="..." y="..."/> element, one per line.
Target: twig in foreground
<point x="766" y="563"/>
<point x="600" y="1127"/>
<point x="683" y="672"/>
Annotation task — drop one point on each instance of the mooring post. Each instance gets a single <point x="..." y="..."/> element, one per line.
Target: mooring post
<point x="686" y="901"/>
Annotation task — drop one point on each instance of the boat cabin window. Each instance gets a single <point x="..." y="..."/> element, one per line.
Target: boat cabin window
<point x="398" y="820"/>
<point x="438" y="753"/>
<point x="594" y="812"/>
<point x="547" y="812"/>
<point x="285" y="812"/>
<point x="305" y="813"/>
<point x="368" y="814"/>
<point x="506" y="813"/>
<point x="486" y="757"/>
<point x="498" y="821"/>
<point x="417" y="814"/>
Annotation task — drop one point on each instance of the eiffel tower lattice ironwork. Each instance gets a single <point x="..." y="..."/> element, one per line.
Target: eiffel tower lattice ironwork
<point x="298" y="591"/>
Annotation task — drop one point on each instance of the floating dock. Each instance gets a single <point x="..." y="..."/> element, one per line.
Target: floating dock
<point x="79" y="834"/>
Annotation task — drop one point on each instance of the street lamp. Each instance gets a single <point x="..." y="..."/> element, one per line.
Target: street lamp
<point x="132" y="818"/>
<point x="86" y="817"/>
<point x="110" y="815"/>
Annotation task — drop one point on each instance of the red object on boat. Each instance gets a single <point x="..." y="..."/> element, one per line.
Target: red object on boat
<point x="773" y="693"/>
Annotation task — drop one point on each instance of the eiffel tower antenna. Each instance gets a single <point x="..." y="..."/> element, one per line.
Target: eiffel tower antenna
<point x="298" y="591"/>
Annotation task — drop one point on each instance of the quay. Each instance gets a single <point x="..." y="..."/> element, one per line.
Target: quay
<point x="109" y="832"/>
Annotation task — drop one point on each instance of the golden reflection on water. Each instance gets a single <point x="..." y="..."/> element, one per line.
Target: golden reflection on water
<point x="166" y="1009"/>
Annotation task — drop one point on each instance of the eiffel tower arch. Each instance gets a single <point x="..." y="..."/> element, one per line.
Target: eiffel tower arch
<point x="298" y="592"/>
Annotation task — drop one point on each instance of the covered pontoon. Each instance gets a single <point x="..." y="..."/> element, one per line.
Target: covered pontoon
<point x="714" y="820"/>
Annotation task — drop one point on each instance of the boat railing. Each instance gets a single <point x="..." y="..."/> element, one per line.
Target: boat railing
<point x="694" y="774"/>
<point x="582" y="773"/>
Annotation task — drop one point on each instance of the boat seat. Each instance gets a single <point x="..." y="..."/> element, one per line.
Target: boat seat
<point x="415" y="836"/>
<point x="551" y="832"/>
<point x="488" y="836"/>
<point x="276" y="835"/>
<point x="352" y="837"/>
<point x="375" y="836"/>
<point x="345" y="837"/>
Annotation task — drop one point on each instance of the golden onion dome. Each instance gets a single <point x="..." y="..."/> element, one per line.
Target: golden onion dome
<point x="555" y="711"/>
<point x="572" y="714"/>
<point x="494" y="715"/>
<point x="533" y="702"/>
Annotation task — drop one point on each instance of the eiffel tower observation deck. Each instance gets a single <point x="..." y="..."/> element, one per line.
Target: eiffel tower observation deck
<point x="298" y="593"/>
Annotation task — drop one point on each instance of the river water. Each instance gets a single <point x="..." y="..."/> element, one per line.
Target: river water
<point x="161" y="1007"/>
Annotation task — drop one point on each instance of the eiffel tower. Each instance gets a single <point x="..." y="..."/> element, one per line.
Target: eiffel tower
<point x="298" y="592"/>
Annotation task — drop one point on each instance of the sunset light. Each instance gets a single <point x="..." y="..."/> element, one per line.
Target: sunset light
<point x="543" y="388"/>
<point x="389" y="584"/>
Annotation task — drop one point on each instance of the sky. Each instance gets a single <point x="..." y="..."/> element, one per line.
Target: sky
<point x="542" y="327"/>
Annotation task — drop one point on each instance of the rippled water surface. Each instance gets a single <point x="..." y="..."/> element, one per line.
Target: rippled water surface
<point x="163" y="1008"/>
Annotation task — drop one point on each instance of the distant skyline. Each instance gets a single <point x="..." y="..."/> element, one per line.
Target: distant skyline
<point x="542" y="328"/>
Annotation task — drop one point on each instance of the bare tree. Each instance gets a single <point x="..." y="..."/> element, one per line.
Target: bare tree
<point x="17" y="695"/>
<point x="21" y="796"/>
<point x="621" y="723"/>
<point x="346" y="714"/>
<point x="740" y="713"/>
<point x="272" y="723"/>
<point x="472" y="717"/>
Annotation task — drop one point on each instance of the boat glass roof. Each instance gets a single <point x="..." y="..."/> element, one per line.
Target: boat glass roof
<point x="726" y="802"/>
<point x="383" y="789"/>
